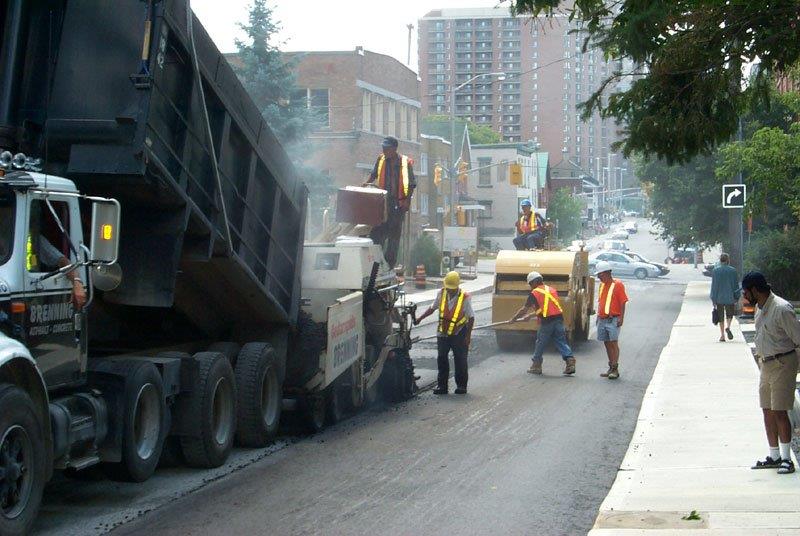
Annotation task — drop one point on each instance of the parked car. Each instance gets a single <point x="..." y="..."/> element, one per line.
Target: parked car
<point x="684" y="256"/>
<point x="631" y="213"/>
<point x="614" y="245"/>
<point x="622" y="264"/>
<point x="631" y="227"/>
<point x="620" y="234"/>
<point x="708" y="269"/>
<point x="662" y="268"/>
<point x="577" y="245"/>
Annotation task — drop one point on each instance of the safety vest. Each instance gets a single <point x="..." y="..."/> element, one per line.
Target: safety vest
<point x="529" y="225"/>
<point x="550" y="305"/>
<point x="607" y="305"/>
<point x="402" y="189"/>
<point x="450" y="320"/>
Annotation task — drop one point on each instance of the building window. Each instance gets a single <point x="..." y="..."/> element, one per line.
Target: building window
<point x="423" y="165"/>
<point x="423" y="203"/>
<point x="486" y="213"/>
<point x="318" y="100"/>
<point x="484" y="171"/>
<point x="366" y="106"/>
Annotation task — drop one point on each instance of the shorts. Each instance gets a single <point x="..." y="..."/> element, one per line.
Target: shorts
<point x="725" y="310"/>
<point x="607" y="329"/>
<point x="777" y="383"/>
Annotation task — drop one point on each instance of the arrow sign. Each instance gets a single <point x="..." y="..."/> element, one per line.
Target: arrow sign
<point x="734" y="195"/>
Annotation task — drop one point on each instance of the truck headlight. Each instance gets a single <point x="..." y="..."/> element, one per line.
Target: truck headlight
<point x="5" y="159"/>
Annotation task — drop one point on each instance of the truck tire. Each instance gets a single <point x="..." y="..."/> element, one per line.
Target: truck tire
<point x="313" y="408"/>
<point x="212" y="414"/>
<point x="259" y="395"/>
<point x="228" y="349"/>
<point x="143" y="425"/>
<point x="22" y="461"/>
<point x="336" y="396"/>
<point x="307" y="343"/>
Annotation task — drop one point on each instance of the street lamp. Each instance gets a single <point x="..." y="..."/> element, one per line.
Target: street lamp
<point x="453" y="169"/>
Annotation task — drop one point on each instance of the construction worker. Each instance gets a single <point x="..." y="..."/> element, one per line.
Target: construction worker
<point x="394" y="173"/>
<point x="611" y="302"/>
<point x="456" y="319"/>
<point x="543" y="301"/>
<point x="530" y="228"/>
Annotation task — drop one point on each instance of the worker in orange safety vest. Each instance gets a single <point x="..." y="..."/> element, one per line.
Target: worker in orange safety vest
<point x="544" y="303"/>
<point x="456" y="318"/>
<point x="530" y="228"/>
<point x="394" y="173"/>
<point x="611" y="302"/>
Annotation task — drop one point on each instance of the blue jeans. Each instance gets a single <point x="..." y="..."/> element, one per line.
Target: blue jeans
<point x="551" y="330"/>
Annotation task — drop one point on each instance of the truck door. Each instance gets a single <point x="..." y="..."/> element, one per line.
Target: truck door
<point x="51" y="323"/>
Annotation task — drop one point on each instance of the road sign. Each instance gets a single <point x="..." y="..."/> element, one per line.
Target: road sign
<point x="734" y="195"/>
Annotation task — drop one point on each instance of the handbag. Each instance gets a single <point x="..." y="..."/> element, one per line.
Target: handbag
<point x="714" y="316"/>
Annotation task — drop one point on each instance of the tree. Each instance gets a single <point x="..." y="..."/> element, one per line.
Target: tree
<point x="478" y="134"/>
<point x="565" y="209"/>
<point x="687" y="59"/>
<point x="270" y="79"/>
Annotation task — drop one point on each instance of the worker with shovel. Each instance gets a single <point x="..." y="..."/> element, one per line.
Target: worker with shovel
<point x="456" y="319"/>
<point x="543" y="301"/>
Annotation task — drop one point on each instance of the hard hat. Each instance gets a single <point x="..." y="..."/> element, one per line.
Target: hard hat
<point x="452" y="280"/>
<point x="533" y="276"/>
<point x="602" y="266"/>
<point x="526" y="203"/>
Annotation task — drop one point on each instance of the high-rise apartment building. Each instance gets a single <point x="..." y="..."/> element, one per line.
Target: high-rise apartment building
<point x="546" y="76"/>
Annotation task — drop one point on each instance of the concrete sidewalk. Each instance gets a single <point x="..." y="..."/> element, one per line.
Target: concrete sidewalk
<point x="480" y="285"/>
<point x="699" y="431"/>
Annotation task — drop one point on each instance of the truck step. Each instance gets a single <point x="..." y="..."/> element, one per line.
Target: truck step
<point x="82" y="463"/>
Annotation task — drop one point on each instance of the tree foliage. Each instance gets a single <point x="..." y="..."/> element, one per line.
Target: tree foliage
<point x="688" y="88"/>
<point x="566" y="210"/>
<point x="426" y="252"/>
<point x="270" y="79"/>
<point x="775" y="252"/>
<point x="478" y="134"/>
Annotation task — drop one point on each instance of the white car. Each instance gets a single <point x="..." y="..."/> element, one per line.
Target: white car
<point x="614" y="245"/>
<point x="622" y="264"/>
<point x="620" y="234"/>
<point x="631" y="227"/>
<point x="577" y="245"/>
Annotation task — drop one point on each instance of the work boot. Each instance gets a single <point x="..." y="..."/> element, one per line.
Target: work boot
<point x="536" y="368"/>
<point x="606" y="373"/>
<point x="440" y="391"/>
<point x="569" y="367"/>
<point x="461" y="390"/>
<point x="613" y="372"/>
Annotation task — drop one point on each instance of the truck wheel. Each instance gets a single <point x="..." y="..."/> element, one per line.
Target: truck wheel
<point x="260" y="398"/>
<point x="640" y="273"/>
<point x="228" y="349"/>
<point x="143" y="424"/>
<point x="22" y="460"/>
<point x="335" y="404"/>
<point x="212" y="412"/>
<point x="314" y="412"/>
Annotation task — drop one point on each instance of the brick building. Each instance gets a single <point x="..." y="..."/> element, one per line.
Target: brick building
<point x="546" y="77"/>
<point x="364" y="96"/>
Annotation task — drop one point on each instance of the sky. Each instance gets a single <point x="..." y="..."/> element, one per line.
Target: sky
<point x="331" y="24"/>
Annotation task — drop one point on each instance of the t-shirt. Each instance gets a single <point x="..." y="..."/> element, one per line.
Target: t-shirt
<point x="611" y="305"/>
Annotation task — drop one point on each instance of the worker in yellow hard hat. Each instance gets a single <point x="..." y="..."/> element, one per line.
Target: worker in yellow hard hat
<point x="456" y="319"/>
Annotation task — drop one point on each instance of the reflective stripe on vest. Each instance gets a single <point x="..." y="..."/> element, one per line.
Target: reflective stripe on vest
<point x="402" y="192"/>
<point x="550" y="296"/>
<point x="528" y="226"/>
<point x="456" y="319"/>
<point x="609" y="295"/>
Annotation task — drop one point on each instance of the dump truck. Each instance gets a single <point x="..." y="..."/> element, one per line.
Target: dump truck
<point x="133" y="160"/>
<point x="567" y="272"/>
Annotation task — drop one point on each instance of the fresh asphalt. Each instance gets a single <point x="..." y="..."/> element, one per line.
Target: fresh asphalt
<point x="519" y="454"/>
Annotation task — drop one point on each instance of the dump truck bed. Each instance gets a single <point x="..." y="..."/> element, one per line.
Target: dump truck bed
<point x="131" y="125"/>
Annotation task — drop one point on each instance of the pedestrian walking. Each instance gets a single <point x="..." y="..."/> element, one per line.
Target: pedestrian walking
<point x="724" y="294"/>
<point x="611" y="302"/>
<point x="456" y="319"/>
<point x="543" y="302"/>
<point x="777" y="338"/>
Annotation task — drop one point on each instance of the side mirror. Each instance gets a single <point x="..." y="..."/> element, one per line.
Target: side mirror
<point x="105" y="231"/>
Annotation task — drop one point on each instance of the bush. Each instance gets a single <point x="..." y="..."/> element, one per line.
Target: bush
<point x="774" y="253"/>
<point x="425" y="251"/>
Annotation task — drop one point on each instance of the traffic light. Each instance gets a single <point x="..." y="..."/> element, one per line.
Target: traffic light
<point x="462" y="171"/>
<point x="437" y="175"/>
<point x="515" y="174"/>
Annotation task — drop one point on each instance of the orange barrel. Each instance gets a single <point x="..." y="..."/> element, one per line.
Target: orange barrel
<point x="420" y="276"/>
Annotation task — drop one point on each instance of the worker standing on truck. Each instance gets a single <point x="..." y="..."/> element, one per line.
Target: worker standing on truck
<point x="610" y="315"/>
<point x="456" y="319"/>
<point x="394" y="173"/>
<point x="530" y="228"/>
<point x="543" y="301"/>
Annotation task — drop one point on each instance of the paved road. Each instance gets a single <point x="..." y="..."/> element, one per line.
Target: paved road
<point x="518" y="455"/>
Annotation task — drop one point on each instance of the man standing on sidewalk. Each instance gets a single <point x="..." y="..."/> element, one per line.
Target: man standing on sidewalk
<point x="611" y="302"/>
<point x="777" y="338"/>
<point x="456" y="318"/>
<point x="543" y="300"/>
<point x="724" y="294"/>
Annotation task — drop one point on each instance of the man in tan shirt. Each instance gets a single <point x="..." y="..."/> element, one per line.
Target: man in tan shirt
<point x="777" y="338"/>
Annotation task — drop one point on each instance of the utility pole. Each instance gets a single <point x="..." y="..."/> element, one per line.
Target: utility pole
<point x="410" y="28"/>
<point x="735" y="227"/>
